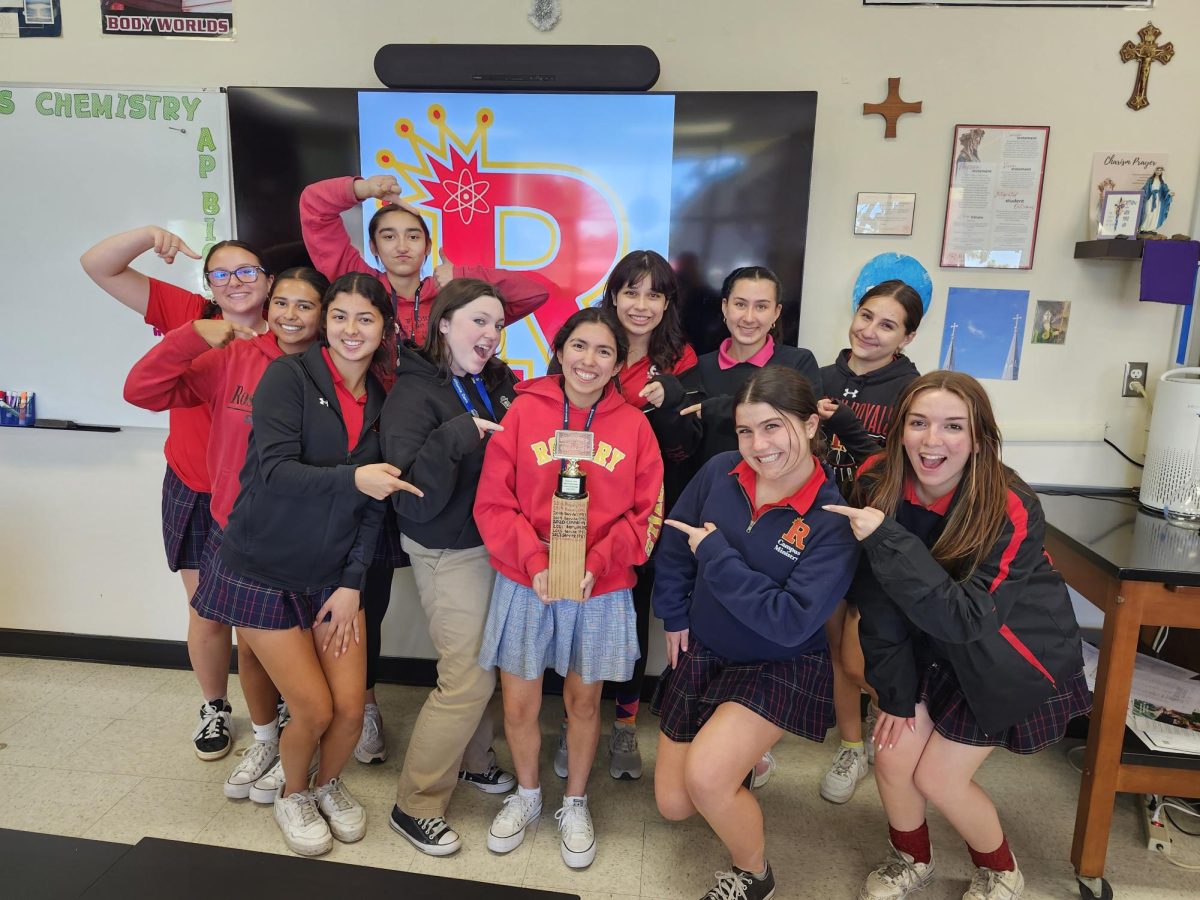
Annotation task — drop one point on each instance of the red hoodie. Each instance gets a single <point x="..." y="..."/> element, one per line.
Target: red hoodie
<point x="635" y="376"/>
<point x="325" y="237"/>
<point x="167" y="308"/>
<point x="624" y="484"/>
<point x="180" y="372"/>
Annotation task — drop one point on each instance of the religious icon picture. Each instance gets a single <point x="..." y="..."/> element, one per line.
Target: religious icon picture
<point x="1120" y="212"/>
<point x="1050" y="320"/>
<point x="1156" y="202"/>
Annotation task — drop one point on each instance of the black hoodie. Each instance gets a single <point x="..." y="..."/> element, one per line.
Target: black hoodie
<point x="864" y="414"/>
<point x="299" y="521"/>
<point x="428" y="434"/>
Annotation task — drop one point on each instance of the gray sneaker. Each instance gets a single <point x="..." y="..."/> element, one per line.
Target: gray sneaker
<point x="371" y="747"/>
<point x="560" y="755"/>
<point x="255" y="761"/>
<point x="626" y="758"/>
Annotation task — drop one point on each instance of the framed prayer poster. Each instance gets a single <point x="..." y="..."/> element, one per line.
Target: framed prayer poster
<point x="995" y="196"/>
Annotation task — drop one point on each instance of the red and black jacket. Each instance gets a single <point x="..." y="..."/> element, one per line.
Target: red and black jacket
<point x="1008" y="631"/>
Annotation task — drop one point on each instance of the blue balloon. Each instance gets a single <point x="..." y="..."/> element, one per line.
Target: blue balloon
<point x="887" y="266"/>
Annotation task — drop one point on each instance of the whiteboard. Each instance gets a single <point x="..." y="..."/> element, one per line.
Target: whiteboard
<point x="82" y="163"/>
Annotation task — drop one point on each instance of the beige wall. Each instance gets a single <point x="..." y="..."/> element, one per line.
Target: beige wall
<point x="1040" y="67"/>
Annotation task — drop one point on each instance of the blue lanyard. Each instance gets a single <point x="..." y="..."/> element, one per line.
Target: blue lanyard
<point x="587" y="426"/>
<point x="483" y="395"/>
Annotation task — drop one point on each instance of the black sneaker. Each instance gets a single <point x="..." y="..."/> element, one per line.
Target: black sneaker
<point x="431" y="836"/>
<point x="213" y="736"/>
<point x="494" y="780"/>
<point x="742" y="885"/>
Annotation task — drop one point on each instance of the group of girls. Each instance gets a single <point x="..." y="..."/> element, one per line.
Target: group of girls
<point x="764" y="576"/>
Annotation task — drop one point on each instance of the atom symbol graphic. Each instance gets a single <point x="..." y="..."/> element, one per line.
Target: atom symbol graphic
<point x="465" y="196"/>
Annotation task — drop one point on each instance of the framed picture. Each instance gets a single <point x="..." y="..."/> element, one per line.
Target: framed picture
<point x="1119" y="213"/>
<point x="876" y="213"/>
<point x="995" y="196"/>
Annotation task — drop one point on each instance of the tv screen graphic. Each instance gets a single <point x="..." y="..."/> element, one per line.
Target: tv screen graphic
<point x="557" y="186"/>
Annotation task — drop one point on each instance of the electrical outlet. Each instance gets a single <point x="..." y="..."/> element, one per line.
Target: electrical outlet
<point x="1135" y="373"/>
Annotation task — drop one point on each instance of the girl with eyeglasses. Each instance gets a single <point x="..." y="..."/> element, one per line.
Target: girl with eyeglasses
<point x="239" y="283"/>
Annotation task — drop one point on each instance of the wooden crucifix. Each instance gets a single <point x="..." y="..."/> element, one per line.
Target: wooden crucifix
<point x="1145" y="52"/>
<point x="892" y="107"/>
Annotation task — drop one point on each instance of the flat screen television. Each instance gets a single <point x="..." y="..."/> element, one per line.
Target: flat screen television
<point x="558" y="185"/>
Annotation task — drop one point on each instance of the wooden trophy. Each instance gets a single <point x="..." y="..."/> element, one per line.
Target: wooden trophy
<point x="568" y="516"/>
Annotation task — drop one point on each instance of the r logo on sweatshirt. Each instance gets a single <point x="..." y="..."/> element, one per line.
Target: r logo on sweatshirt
<point x="791" y="544"/>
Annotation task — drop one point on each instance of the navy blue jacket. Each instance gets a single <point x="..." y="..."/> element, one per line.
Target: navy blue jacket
<point x="761" y="586"/>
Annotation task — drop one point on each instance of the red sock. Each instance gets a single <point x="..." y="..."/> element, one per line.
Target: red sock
<point x="999" y="860"/>
<point x="915" y="843"/>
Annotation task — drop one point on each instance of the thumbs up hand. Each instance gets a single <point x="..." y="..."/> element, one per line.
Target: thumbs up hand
<point x="443" y="273"/>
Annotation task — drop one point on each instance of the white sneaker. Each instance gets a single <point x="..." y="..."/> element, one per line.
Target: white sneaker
<point x="371" y="747"/>
<point x="256" y="760"/>
<point x="869" y="730"/>
<point x="578" y="835"/>
<point x="761" y="778"/>
<point x="508" y="828"/>
<point x="896" y="877"/>
<point x="623" y="748"/>
<point x="265" y="789"/>
<point x="560" y="755"/>
<point x="988" y="884"/>
<point x="304" y="831"/>
<point x="848" y="769"/>
<point x="346" y="817"/>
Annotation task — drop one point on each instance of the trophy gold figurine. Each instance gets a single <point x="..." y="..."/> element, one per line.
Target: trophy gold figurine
<point x="568" y="516"/>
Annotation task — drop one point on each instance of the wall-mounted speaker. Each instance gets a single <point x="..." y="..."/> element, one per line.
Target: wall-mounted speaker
<point x="523" y="67"/>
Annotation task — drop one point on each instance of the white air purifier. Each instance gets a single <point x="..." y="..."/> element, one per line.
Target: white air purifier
<point x="1171" y="447"/>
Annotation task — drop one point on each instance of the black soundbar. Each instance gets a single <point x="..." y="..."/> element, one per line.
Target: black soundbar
<point x="524" y="67"/>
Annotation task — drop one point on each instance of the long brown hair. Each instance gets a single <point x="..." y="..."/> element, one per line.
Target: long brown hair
<point x="667" y="340"/>
<point x="979" y="512"/>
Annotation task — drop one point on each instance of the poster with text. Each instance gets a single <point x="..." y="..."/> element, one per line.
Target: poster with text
<point x="168" y="18"/>
<point x="542" y="184"/>
<point x="982" y="334"/>
<point x="995" y="196"/>
<point x="1123" y="172"/>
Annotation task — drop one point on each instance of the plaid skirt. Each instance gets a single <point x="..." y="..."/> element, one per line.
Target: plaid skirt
<point x="388" y="551"/>
<point x="186" y="522"/>
<point x="1046" y="725"/>
<point x="794" y="694"/>
<point x="235" y="599"/>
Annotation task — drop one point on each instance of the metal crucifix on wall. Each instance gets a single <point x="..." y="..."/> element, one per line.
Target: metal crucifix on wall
<point x="1146" y="52"/>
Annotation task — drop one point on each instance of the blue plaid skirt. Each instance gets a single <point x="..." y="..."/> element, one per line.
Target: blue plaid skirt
<point x="596" y="639"/>
<point x="953" y="719"/>
<point x="235" y="599"/>
<point x="186" y="522"/>
<point x="793" y="694"/>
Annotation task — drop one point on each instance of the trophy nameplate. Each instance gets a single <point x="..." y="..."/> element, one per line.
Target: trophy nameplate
<point x="568" y="516"/>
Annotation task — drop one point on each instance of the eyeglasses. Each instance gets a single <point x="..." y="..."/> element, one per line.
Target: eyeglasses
<point x="245" y="274"/>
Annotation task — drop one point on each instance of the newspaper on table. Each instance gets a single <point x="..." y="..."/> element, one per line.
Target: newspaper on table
<point x="1164" y="703"/>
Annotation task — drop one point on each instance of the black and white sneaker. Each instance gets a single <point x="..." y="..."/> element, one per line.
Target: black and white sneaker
<point x="214" y="735"/>
<point x="431" y="836"/>
<point x="493" y="780"/>
<point x="742" y="885"/>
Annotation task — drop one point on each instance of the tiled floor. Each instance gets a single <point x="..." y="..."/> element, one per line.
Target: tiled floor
<point x="103" y="752"/>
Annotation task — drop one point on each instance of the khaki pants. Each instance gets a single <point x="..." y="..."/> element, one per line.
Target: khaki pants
<point x="455" y="728"/>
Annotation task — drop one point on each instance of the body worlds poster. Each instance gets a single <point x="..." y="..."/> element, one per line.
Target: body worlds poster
<point x="168" y="18"/>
